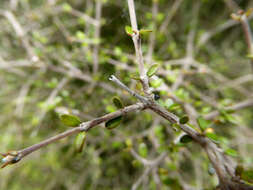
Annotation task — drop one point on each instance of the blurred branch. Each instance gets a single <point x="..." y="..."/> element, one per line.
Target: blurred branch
<point x="238" y="106"/>
<point x="21" y="34"/>
<point x="97" y="36"/>
<point x="170" y="15"/>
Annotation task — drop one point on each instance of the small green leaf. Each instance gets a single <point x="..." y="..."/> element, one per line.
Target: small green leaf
<point x="174" y="106"/>
<point x="239" y="170"/>
<point x="152" y="70"/>
<point x="144" y="31"/>
<point x="228" y="116"/>
<point x="70" y="120"/>
<point x="129" y="30"/>
<point x="247" y="175"/>
<point x="168" y="103"/>
<point x="117" y="102"/>
<point x="163" y="171"/>
<point x="172" y="183"/>
<point x="213" y="137"/>
<point x="143" y="150"/>
<point x="203" y="124"/>
<point x="248" y="12"/>
<point x="156" y="82"/>
<point x="231" y="152"/>
<point x="80" y="141"/>
<point x="135" y="76"/>
<point x="66" y="7"/>
<point x="80" y="35"/>
<point x="113" y="122"/>
<point x="186" y="139"/>
<point x="184" y="119"/>
<point x="129" y="143"/>
<point x="235" y="17"/>
<point x="250" y="56"/>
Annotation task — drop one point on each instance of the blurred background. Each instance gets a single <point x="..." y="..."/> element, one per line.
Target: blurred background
<point x="56" y="57"/>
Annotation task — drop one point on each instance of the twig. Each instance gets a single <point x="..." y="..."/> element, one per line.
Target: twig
<point x="21" y="34"/>
<point x="152" y="36"/>
<point x="97" y="36"/>
<point x="123" y="86"/>
<point x="85" y="126"/>
<point x="137" y="45"/>
<point x="238" y="106"/>
<point x="170" y="15"/>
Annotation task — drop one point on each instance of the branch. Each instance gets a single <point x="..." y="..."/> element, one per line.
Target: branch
<point x="85" y="126"/>
<point x="124" y="87"/>
<point x="238" y="106"/>
<point x="97" y="36"/>
<point x="224" y="167"/>
<point x="137" y="45"/>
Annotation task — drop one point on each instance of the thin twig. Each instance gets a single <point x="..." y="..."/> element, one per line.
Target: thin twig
<point x="137" y="45"/>
<point x="85" y="126"/>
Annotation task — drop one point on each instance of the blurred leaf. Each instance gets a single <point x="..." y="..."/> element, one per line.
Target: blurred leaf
<point x="80" y="141"/>
<point x="239" y="170"/>
<point x="135" y="76"/>
<point x="156" y="82"/>
<point x="203" y="124"/>
<point x="249" y="56"/>
<point x="152" y="70"/>
<point x="129" y="143"/>
<point x="117" y="102"/>
<point x="174" y="107"/>
<point x="144" y="31"/>
<point x="213" y="137"/>
<point x="143" y="150"/>
<point x="163" y="171"/>
<point x="248" y="12"/>
<point x="168" y="103"/>
<point x="70" y="120"/>
<point x="66" y="7"/>
<point x="80" y="35"/>
<point x="228" y="116"/>
<point x="184" y="119"/>
<point x="231" y="152"/>
<point x="247" y="175"/>
<point x="128" y="30"/>
<point x="115" y="122"/>
<point x="172" y="183"/>
<point x="136" y="163"/>
<point x="186" y="139"/>
<point x="235" y="17"/>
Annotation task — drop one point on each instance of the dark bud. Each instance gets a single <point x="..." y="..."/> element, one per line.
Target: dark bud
<point x="156" y="96"/>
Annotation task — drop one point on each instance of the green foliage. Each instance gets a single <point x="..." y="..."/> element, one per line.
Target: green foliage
<point x="203" y="124"/>
<point x="60" y="42"/>
<point x="143" y="150"/>
<point x="80" y="141"/>
<point x="152" y="70"/>
<point x="66" y="7"/>
<point x="129" y="30"/>
<point x="184" y="119"/>
<point x="113" y="123"/>
<point x="70" y="120"/>
<point x="231" y="152"/>
<point x="186" y="139"/>
<point x="247" y="175"/>
<point x="117" y="102"/>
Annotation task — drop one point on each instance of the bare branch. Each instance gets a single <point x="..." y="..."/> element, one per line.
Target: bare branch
<point x="137" y="45"/>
